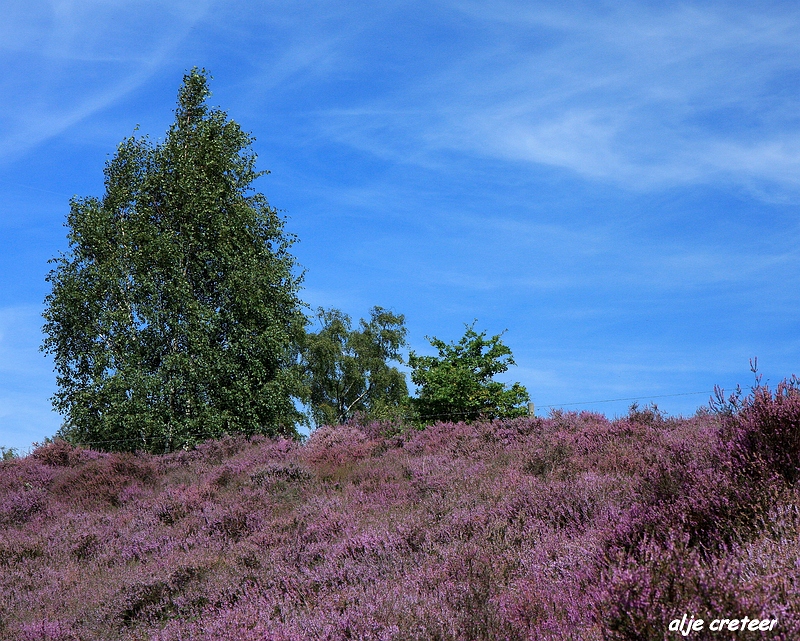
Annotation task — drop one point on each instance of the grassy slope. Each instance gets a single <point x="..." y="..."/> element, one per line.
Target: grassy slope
<point x="570" y="527"/>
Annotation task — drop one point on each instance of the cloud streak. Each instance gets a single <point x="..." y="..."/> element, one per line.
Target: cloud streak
<point x="641" y="97"/>
<point x="87" y="55"/>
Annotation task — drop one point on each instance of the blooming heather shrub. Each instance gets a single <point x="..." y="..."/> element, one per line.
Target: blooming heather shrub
<point x="24" y="473"/>
<point x="17" y="508"/>
<point x="101" y="481"/>
<point x="227" y="475"/>
<point x="765" y="434"/>
<point x="618" y="447"/>
<point x="561" y="420"/>
<point x="176" y="594"/>
<point x="680" y="548"/>
<point x="699" y="498"/>
<point x="178" y="502"/>
<point x="389" y="429"/>
<point x="23" y="492"/>
<point x="459" y="440"/>
<point x="235" y="524"/>
<point x="61" y="454"/>
<point x="621" y="525"/>
<point x="552" y="458"/>
<point x="86" y="546"/>
<point x="216" y="451"/>
<point x="276" y="472"/>
<point x="132" y="467"/>
<point x="19" y="551"/>
<point x="643" y="591"/>
<point x="46" y="630"/>
<point x="336" y="445"/>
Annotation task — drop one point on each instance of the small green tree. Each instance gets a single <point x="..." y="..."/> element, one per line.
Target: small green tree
<point x="458" y="384"/>
<point x="348" y="370"/>
<point x="8" y="453"/>
<point x="174" y="316"/>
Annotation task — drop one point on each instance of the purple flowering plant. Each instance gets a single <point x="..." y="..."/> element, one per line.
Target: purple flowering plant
<point x="569" y="527"/>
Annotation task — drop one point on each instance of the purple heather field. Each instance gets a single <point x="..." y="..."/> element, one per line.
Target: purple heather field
<point x="570" y="527"/>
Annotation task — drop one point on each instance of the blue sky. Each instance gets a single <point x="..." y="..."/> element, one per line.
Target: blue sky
<point x="615" y="184"/>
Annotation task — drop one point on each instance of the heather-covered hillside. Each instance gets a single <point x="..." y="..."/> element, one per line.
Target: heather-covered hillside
<point x="571" y="527"/>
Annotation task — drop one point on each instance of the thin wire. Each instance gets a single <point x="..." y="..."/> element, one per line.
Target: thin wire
<point x="153" y="439"/>
<point x="607" y="400"/>
<point x="632" y="398"/>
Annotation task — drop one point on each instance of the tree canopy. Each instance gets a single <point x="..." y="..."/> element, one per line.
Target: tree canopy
<point x="174" y="315"/>
<point x="458" y="383"/>
<point x="348" y="370"/>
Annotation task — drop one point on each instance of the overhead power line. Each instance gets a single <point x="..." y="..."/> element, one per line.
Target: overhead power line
<point x="631" y="398"/>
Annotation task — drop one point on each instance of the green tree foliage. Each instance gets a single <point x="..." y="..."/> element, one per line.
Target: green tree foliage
<point x="7" y="453"/>
<point x="174" y="315"/>
<point x="458" y="383"/>
<point x="348" y="370"/>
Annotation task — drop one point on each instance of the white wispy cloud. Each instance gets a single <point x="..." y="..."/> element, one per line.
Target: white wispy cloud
<point x="640" y="96"/>
<point x="61" y="61"/>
